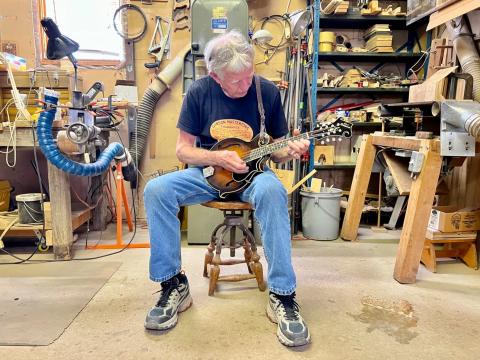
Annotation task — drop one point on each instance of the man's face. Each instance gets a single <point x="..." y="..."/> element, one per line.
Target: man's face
<point x="234" y="84"/>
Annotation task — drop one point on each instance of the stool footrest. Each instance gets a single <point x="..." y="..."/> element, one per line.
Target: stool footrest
<point x="230" y="262"/>
<point x="238" y="277"/>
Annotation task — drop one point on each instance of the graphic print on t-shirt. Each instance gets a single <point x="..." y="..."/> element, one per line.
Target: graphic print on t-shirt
<point x="231" y="128"/>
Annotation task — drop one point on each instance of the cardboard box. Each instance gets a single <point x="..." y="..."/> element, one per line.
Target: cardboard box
<point x="453" y="219"/>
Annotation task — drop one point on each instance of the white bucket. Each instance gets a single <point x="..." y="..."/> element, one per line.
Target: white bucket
<point x="321" y="214"/>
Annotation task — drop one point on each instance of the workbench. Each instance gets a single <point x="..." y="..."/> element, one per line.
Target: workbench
<point x="63" y="220"/>
<point x="420" y="201"/>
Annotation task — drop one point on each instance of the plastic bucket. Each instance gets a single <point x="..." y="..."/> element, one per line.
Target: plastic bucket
<point x="29" y="208"/>
<point x="321" y="214"/>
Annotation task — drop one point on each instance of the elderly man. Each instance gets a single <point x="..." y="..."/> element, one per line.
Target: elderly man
<point x="221" y="105"/>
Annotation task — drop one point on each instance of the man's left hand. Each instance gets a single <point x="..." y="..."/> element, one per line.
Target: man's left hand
<point x="297" y="148"/>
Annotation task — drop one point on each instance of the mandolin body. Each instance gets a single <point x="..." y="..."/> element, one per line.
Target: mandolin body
<point x="227" y="182"/>
<point x="255" y="155"/>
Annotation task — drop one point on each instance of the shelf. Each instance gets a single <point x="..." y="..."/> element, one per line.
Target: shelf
<point x="317" y="166"/>
<point x="369" y="56"/>
<point x="340" y="90"/>
<point x="357" y="21"/>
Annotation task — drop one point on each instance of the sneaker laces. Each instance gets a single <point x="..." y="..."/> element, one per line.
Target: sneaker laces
<point x="289" y="305"/>
<point x="167" y="288"/>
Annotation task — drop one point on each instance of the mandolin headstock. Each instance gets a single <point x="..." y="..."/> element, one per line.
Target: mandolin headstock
<point x="327" y="132"/>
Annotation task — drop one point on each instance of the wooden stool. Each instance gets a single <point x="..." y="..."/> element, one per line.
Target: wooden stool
<point x="464" y="249"/>
<point x="233" y="216"/>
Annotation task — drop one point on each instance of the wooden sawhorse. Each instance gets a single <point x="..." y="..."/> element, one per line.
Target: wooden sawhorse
<point x="422" y="194"/>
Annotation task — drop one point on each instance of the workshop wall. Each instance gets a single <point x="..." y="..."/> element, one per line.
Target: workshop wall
<point x="160" y="153"/>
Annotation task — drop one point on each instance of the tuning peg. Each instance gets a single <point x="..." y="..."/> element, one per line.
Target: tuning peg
<point x="339" y="139"/>
<point x="333" y="139"/>
<point x="327" y="140"/>
<point x="322" y="142"/>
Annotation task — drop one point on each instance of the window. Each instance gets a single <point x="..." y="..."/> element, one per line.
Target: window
<point x="90" y="24"/>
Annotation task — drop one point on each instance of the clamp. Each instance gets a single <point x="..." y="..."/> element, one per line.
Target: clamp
<point x="159" y="43"/>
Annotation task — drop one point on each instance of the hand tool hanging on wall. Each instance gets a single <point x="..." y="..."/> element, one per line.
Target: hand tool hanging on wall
<point x="160" y="42"/>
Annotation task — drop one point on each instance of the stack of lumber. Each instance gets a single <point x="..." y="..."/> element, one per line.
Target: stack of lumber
<point x="378" y="38"/>
<point x="342" y="8"/>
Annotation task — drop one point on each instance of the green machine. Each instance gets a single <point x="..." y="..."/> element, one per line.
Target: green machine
<point x="214" y="17"/>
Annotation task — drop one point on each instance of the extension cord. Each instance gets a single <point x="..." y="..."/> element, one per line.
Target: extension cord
<point x="19" y="99"/>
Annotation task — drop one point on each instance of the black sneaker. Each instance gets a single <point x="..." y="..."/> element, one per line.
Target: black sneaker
<point x="284" y="311"/>
<point x="174" y="298"/>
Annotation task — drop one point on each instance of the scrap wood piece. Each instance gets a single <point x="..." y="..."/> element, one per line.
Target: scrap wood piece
<point x="432" y="88"/>
<point x="305" y="178"/>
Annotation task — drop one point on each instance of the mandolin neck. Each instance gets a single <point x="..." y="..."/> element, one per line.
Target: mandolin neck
<point x="262" y="151"/>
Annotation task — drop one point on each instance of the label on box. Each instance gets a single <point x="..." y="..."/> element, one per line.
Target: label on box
<point x="434" y="221"/>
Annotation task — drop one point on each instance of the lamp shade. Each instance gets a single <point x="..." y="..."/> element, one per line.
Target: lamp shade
<point x="299" y="20"/>
<point x="262" y="36"/>
<point x="58" y="45"/>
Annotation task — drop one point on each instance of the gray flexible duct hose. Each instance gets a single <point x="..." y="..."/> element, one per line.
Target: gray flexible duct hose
<point x="163" y="81"/>
<point x="466" y="51"/>
<point x="138" y="138"/>
<point x="463" y="114"/>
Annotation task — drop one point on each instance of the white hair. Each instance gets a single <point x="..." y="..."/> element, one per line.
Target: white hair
<point x="230" y="51"/>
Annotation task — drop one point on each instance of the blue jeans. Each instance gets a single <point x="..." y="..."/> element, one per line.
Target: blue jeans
<point x="164" y="195"/>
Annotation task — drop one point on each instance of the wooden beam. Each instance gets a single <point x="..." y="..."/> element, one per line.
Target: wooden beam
<point x="59" y="185"/>
<point x="399" y="142"/>
<point x="361" y="178"/>
<point x="418" y="211"/>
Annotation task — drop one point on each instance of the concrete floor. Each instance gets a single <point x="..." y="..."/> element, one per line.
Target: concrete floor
<point x="354" y="308"/>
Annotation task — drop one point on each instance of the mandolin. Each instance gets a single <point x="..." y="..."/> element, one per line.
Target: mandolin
<point x="256" y="155"/>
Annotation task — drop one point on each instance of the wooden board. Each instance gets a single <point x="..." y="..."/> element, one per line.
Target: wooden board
<point x="361" y="178"/>
<point x="316" y="185"/>
<point x="399" y="169"/>
<point x="452" y="11"/>
<point x="433" y="88"/>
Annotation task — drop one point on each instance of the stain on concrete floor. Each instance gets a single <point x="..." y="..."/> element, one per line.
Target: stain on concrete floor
<point x="394" y="318"/>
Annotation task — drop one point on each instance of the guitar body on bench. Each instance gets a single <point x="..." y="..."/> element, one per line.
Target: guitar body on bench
<point x="255" y="156"/>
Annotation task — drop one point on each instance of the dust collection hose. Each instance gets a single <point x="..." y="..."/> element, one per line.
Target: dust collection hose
<point x="463" y="114"/>
<point x="163" y="81"/>
<point x="466" y="51"/>
<point x="53" y="154"/>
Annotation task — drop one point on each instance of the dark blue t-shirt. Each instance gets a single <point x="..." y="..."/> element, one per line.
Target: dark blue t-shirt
<point x="211" y="116"/>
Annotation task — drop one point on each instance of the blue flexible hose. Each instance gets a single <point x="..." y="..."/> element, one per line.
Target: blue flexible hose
<point x="54" y="155"/>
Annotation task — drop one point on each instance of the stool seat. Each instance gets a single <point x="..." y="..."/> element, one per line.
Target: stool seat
<point x="228" y="205"/>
